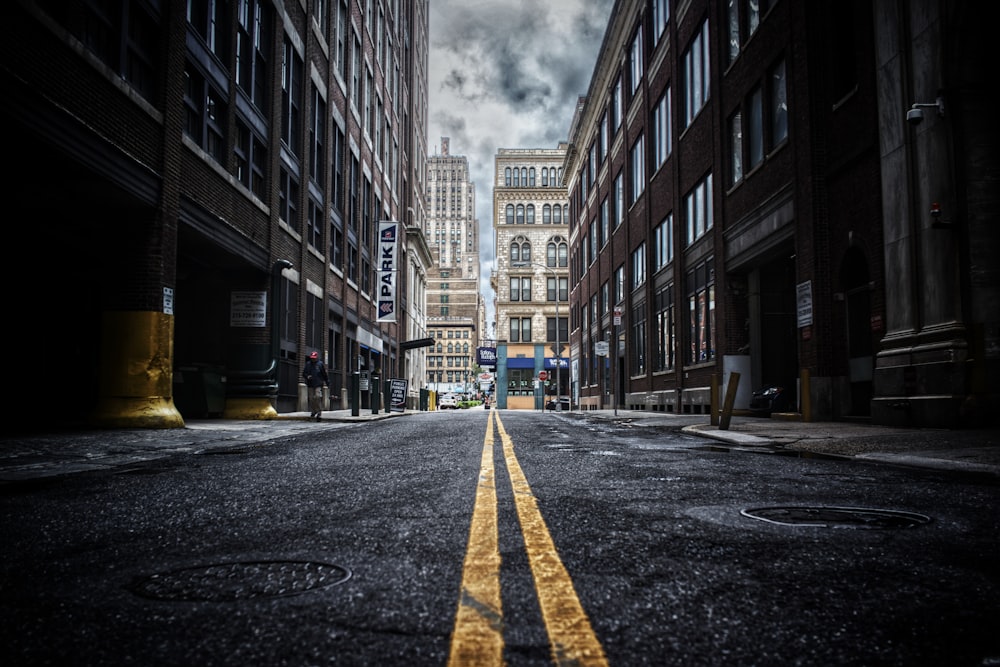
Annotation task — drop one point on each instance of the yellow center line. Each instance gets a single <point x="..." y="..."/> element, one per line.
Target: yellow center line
<point x="477" y="638"/>
<point x="572" y="638"/>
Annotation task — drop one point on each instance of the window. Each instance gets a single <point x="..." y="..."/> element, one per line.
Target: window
<point x="556" y="253"/>
<point x="250" y="159"/>
<point x="124" y="35"/>
<point x="743" y="18"/>
<point x="205" y="114"/>
<point x="341" y="52"/>
<point x="661" y="15"/>
<point x="619" y="294"/>
<point x="510" y="214"/>
<point x="314" y="225"/>
<point x="778" y="105"/>
<point x="520" y="330"/>
<point x="701" y="311"/>
<point x="616" y="106"/>
<point x="531" y="177"/>
<point x="520" y="214"/>
<point x="735" y="148"/>
<point x="557" y="288"/>
<point x="661" y="130"/>
<point x="337" y="194"/>
<point x="663" y="238"/>
<point x="604" y="232"/>
<point x="253" y="46"/>
<point x="520" y="288"/>
<point x="638" y="266"/>
<point x="666" y="341"/>
<point x="314" y="321"/>
<point x="552" y="336"/>
<point x="638" y="164"/>
<point x="698" y="210"/>
<point x="530" y="211"/>
<point x="291" y="98"/>
<point x="288" y="199"/>
<point x="618" y="192"/>
<point x="635" y="63"/>
<point x="546" y="214"/>
<point x="506" y="177"/>
<point x="317" y="137"/>
<point x="605" y="298"/>
<point x="755" y="129"/>
<point x="696" y="75"/>
<point x="520" y="250"/>
<point x="336" y="245"/>
<point x="637" y="349"/>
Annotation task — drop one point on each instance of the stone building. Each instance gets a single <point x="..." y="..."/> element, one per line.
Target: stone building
<point x="531" y="279"/>
<point x="205" y="183"/>
<point x="453" y="296"/>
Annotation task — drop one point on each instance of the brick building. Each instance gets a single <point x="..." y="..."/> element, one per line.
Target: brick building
<point x="204" y="184"/>
<point x="747" y="196"/>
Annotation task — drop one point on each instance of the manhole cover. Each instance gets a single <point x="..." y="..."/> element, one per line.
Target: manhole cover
<point x="227" y="582"/>
<point x="837" y="517"/>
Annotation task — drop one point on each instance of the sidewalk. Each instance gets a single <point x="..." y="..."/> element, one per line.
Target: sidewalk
<point x="35" y="456"/>
<point x="973" y="450"/>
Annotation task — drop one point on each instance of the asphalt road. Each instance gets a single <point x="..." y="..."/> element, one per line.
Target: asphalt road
<point x="435" y="540"/>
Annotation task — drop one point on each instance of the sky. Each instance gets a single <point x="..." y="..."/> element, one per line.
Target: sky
<point x="507" y="74"/>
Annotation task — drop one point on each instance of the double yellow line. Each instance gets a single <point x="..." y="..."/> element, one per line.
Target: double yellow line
<point x="478" y="635"/>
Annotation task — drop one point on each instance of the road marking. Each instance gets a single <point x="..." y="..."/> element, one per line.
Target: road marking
<point x="477" y="638"/>
<point x="571" y="636"/>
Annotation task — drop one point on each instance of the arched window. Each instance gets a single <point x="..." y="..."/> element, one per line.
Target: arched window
<point x="510" y="214"/>
<point x="545" y="177"/>
<point x="506" y="177"/>
<point x="520" y="249"/>
<point x="517" y="178"/>
<point x="451" y="348"/>
<point x="546" y="215"/>
<point x="520" y="214"/>
<point x="556" y="252"/>
<point x="524" y="176"/>
<point x="557" y="215"/>
<point x="531" y="177"/>
<point x="565" y="209"/>
<point x="465" y="348"/>
<point x="531" y="214"/>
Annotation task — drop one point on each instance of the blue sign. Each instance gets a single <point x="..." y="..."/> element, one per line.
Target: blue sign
<point x="486" y="356"/>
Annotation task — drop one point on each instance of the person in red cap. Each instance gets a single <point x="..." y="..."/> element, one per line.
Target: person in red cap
<point x="316" y="378"/>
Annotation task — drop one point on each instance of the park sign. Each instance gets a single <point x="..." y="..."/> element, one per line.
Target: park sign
<point x="387" y="270"/>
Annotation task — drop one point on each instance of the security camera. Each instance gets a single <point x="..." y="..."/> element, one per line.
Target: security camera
<point x="915" y="116"/>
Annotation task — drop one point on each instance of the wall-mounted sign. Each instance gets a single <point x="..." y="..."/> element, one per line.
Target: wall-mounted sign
<point x="804" y="303"/>
<point x="387" y="270"/>
<point x="248" y="309"/>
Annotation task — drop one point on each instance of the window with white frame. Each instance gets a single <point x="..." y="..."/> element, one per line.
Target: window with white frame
<point x="635" y="63"/>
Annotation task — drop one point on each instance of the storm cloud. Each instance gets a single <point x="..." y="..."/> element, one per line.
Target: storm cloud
<point x="507" y="74"/>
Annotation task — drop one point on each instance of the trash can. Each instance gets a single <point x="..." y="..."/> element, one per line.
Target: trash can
<point x="200" y="390"/>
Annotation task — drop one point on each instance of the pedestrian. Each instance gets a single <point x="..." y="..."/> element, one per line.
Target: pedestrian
<point x="316" y="378"/>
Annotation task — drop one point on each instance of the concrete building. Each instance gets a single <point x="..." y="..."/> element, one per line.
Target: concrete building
<point x="207" y="181"/>
<point x="455" y="304"/>
<point x="531" y="278"/>
<point x="750" y="193"/>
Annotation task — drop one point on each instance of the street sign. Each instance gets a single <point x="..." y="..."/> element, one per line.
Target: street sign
<point x="601" y="348"/>
<point x="543" y="376"/>
<point x="618" y="317"/>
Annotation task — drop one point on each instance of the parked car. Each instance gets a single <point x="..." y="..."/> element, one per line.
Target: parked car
<point x="448" y="403"/>
<point x="553" y="405"/>
<point x="772" y="398"/>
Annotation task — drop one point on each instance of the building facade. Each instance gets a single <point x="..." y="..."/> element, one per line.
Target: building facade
<point x="454" y="300"/>
<point x="531" y="278"/>
<point x="210" y="179"/>
<point x="747" y="197"/>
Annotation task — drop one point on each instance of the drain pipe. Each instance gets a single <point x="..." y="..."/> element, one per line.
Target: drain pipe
<point x="276" y="270"/>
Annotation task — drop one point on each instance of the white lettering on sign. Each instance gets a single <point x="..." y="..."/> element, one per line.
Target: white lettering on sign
<point x="248" y="309"/>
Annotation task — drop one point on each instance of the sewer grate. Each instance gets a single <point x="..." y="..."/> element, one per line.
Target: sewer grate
<point x="246" y="580"/>
<point x="837" y="517"/>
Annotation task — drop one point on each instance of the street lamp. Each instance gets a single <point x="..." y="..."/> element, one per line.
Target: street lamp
<point x="558" y="349"/>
